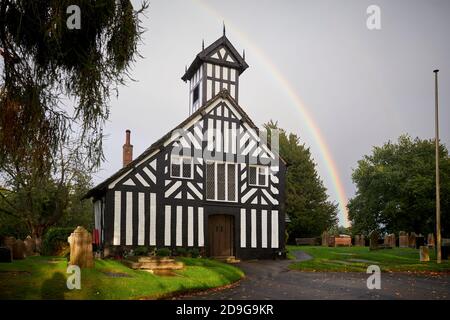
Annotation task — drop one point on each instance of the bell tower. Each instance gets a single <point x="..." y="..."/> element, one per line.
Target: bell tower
<point x="215" y="68"/>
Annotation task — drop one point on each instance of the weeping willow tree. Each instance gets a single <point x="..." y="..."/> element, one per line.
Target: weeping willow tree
<point x="55" y="87"/>
<point x="46" y="64"/>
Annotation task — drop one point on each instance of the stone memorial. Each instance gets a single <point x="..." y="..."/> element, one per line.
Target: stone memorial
<point x="430" y="240"/>
<point x="343" y="241"/>
<point x="30" y="246"/>
<point x="360" y="241"/>
<point x="424" y="253"/>
<point x="18" y="250"/>
<point x="9" y="242"/>
<point x="81" y="248"/>
<point x="412" y="240"/>
<point x="403" y="239"/>
<point x="389" y="240"/>
<point x="373" y="236"/>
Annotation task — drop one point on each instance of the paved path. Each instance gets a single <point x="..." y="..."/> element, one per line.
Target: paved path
<point x="271" y="280"/>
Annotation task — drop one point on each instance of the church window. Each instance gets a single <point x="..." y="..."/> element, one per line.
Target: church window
<point x="181" y="167"/>
<point x="258" y="176"/>
<point x="221" y="181"/>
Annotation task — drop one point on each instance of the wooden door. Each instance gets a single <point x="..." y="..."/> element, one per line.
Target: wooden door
<point x="220" y="229"/>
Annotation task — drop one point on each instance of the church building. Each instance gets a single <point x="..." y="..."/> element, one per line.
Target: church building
<point x="213" y="182"/>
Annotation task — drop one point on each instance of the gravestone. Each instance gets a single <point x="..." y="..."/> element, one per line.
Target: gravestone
<point x="360" y="241"/>
<point x="403" y="239"/>
<point x="30" y="246"/>
<point x="81" y="248"/>
<point x="430" y="240"/>
<point x="325" y="239"/>
<point x="424" y="253"/>
<point x="5" y="254"/>
<point x="389" y="240"/>
<point x="374" y="237"/>
<point x="9" y="242"/>
<point x="343" y="240"/>
<point x="412" y="240"/>
<point x="18" y="250"/>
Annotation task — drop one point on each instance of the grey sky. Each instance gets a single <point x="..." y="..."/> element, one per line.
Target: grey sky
<point x="361" y="87"/>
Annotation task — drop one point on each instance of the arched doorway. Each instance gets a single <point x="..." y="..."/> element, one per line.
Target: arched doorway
<point x="221" y="235"/>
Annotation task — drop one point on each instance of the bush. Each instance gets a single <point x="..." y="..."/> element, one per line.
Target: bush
<point x="182" y="252"/>
<point x="163" y="252"/>
<point x="141" y="251"/>
<point x="55" y="242"/>
<point x="194" y="253"/>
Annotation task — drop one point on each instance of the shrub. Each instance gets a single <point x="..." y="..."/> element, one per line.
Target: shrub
<point x="194" y="253"/>
<point x="163" y="252"/>
<point x="182" y="252"/>
<point x="55" y="242"/>
<point x="141" y="251"/>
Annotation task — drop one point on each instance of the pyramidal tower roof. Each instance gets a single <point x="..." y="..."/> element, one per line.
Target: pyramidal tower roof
<point x="211" y="54"/>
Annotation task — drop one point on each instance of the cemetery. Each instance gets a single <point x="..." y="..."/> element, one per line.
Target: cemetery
<point x="409" y="252"/>
<point x="24" y="274"/>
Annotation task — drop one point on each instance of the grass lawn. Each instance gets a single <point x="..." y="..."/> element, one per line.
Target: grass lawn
<point x="45" y="278"/>
<point x="349" y="259"/>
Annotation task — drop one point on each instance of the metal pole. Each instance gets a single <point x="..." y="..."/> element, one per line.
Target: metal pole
<point x="438" y="202"/>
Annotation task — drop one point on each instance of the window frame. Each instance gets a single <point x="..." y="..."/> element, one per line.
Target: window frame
<point x="215" y="162"/>
<point x="266" y="173"/>
<point x="180" y="159"/>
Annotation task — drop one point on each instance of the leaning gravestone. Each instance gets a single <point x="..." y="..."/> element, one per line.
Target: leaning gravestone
<point x="30" y="246"/>
<point x="430" y="240"/>
<point x="5" y="254"/>
<point x="424" y="253"/>
<point x="403" y="239"/>
<point x="374" y="236"/>
<point x="81" y="248"/>
<point x="18" y="250"/>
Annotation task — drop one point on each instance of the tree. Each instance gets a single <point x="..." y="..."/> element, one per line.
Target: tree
<point x="39" y="199"/>
<point x="396" y="188"/>
<point x="47" y="62"/>
<point x="307" y="203"/>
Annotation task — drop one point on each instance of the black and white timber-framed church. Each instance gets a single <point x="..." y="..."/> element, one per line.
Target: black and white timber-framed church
<point x="211" y="183"/>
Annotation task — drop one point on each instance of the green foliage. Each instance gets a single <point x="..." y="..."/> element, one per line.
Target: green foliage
<point x="55" y="241"/>
<point x="141" y="251"/>
<point x="396" y="188"/>
<point x="182" y="252"/>
<point x="307" y="202"/>
<point x="162" y="252"/>
<point x="194" y="253"/>
<point x="47" y="64"/>
<point x="78" y="212"/>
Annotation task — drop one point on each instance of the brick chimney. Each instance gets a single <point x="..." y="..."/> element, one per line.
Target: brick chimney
<point x="127" y="149"/>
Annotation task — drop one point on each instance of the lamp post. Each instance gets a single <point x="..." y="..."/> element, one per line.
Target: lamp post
<point x="438" y="202"/>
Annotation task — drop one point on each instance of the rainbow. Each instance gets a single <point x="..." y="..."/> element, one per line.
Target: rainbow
<point x="306" y="117"/>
